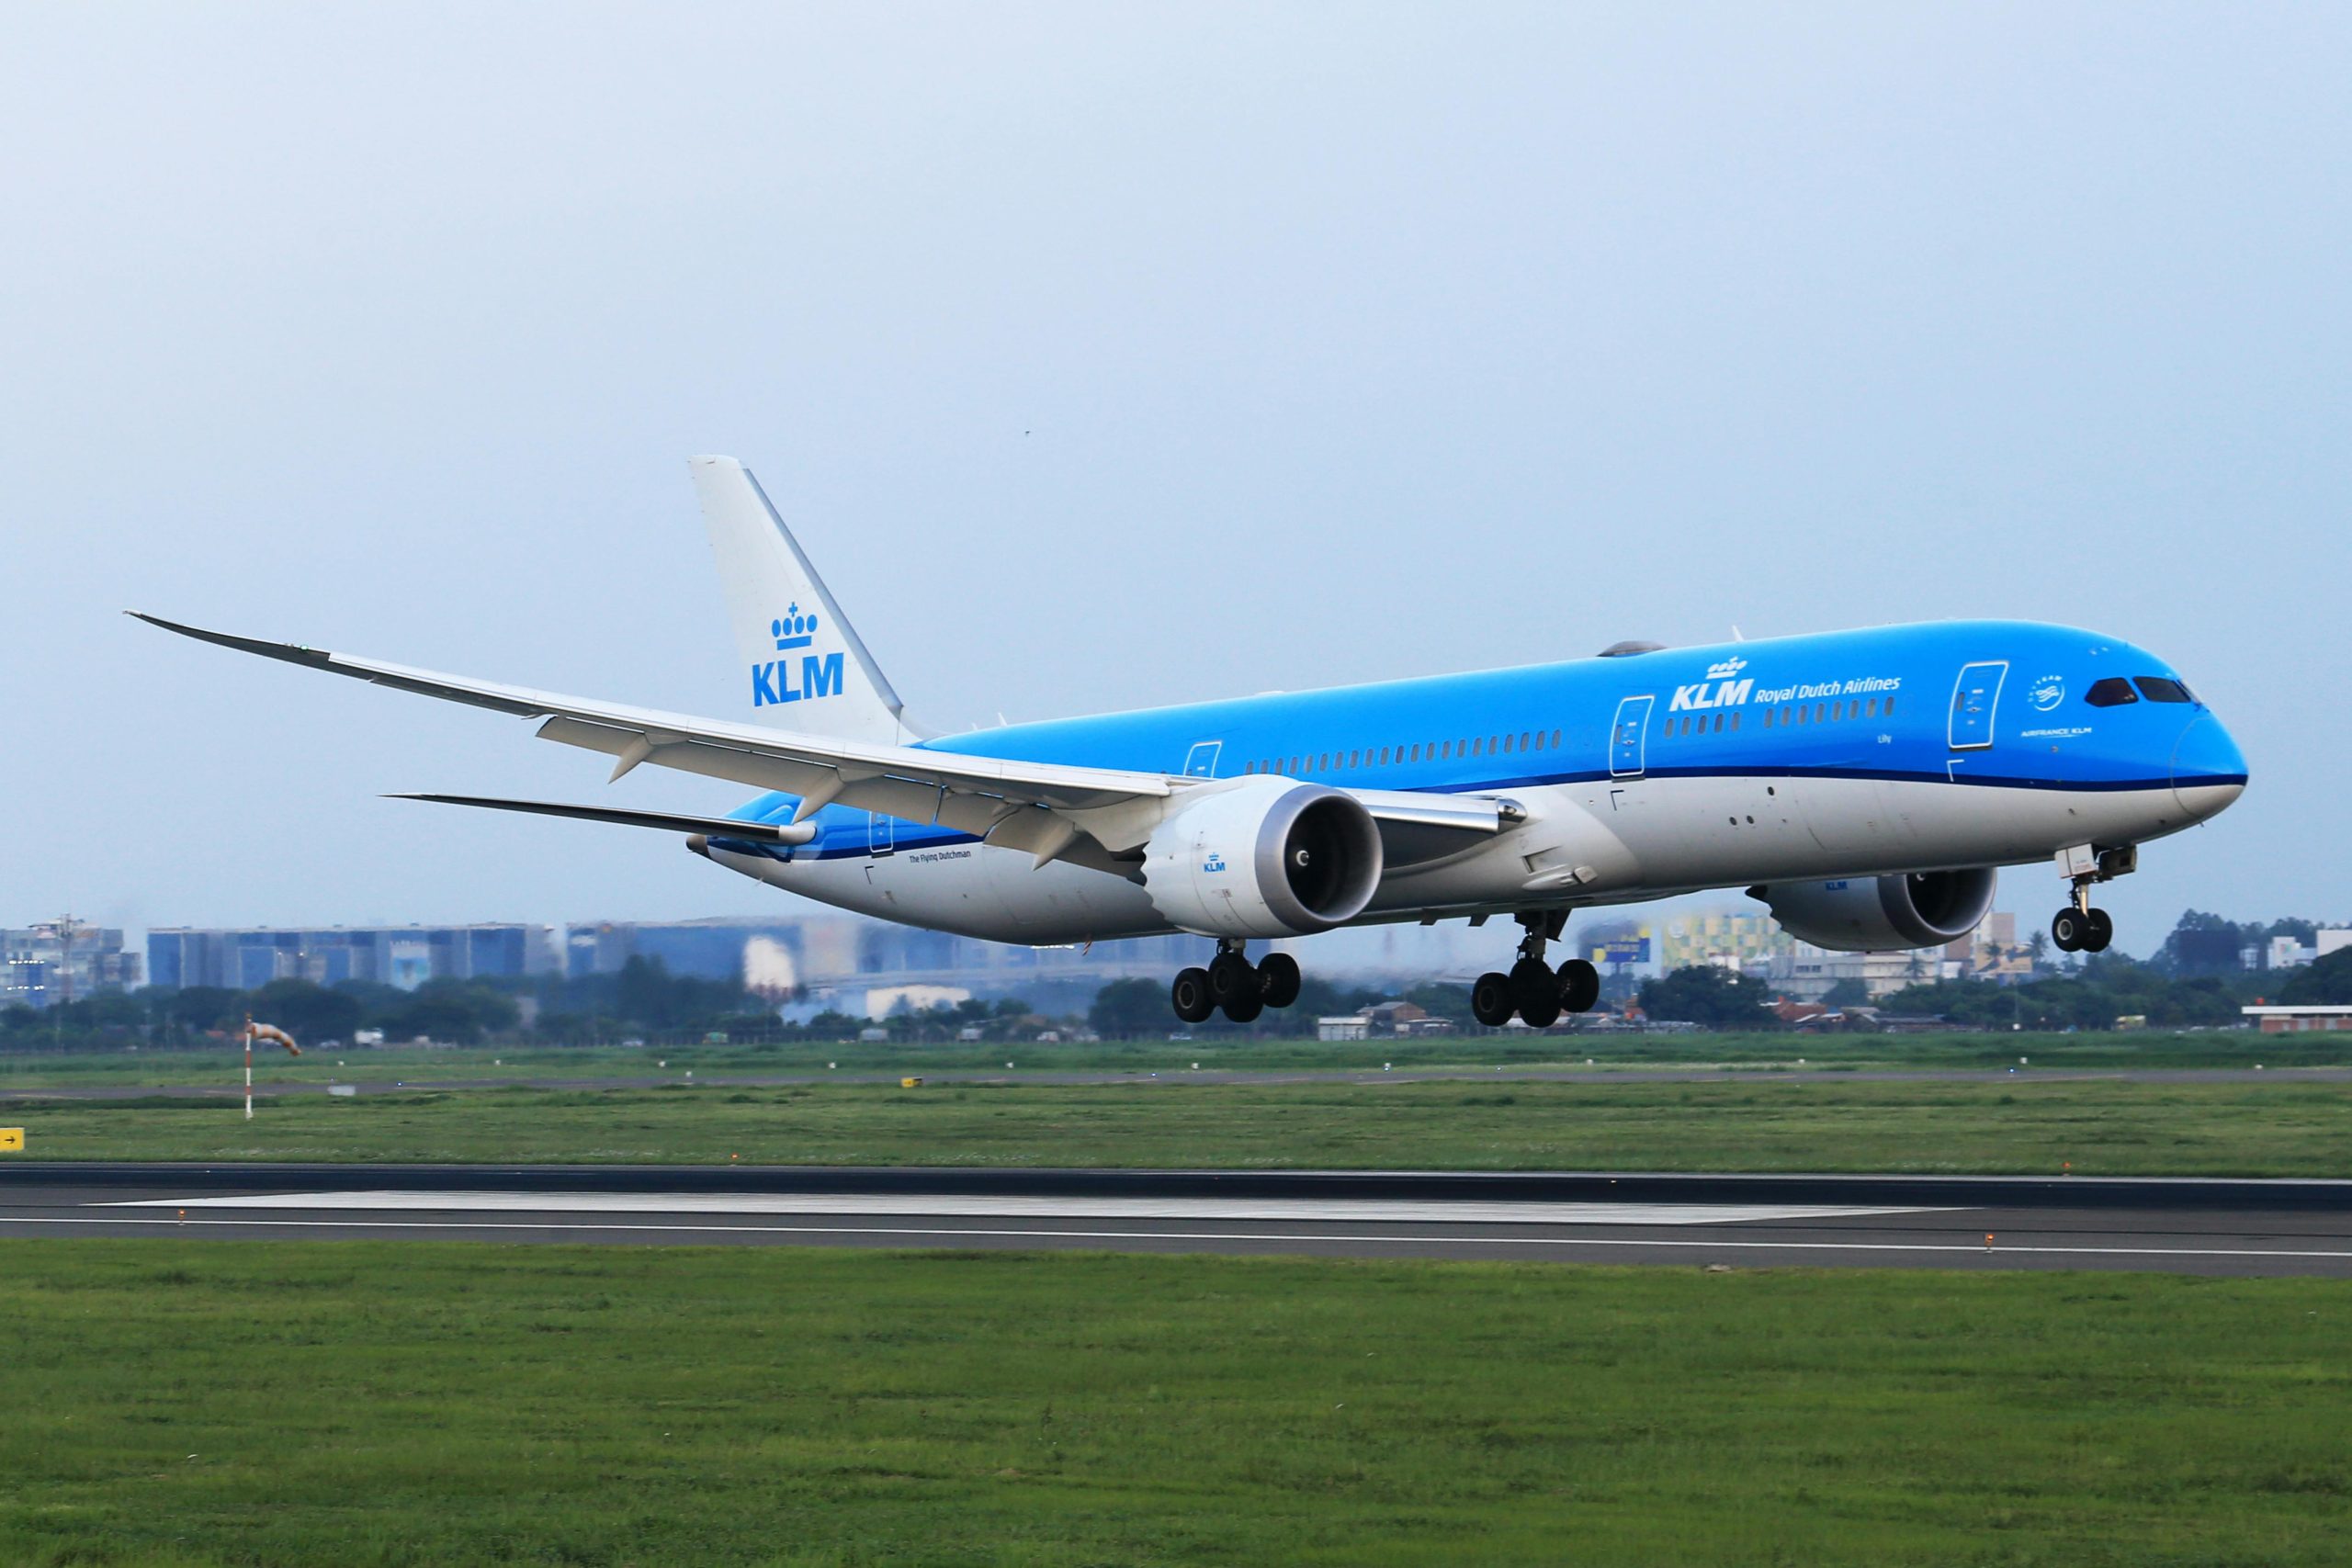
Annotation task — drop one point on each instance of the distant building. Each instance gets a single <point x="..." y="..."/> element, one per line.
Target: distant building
<point x="1992" y="950"/>
<point x="2326" y="941"/>
<point x="405" y="957"/>
<point x="808" y="964"/>
<point x="1807" y="974"/>
<point x="61" y="960"/>
<point x="1727" y="941"/>
<point x="2286" y="952"/>
<point x="2297" y="1019"/>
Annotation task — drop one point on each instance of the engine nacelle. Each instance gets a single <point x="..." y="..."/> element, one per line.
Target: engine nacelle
<point x="1882" y="914"/>
<point x="1270" y="857"/>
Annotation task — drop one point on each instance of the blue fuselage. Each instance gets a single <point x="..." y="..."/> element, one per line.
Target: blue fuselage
<point x="2015" y="706"/>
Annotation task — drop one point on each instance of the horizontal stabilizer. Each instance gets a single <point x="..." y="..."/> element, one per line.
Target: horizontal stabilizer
<point x="667" y="821"/>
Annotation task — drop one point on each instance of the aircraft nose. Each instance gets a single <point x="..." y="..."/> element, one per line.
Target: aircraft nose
<point x="2208" y="769"/>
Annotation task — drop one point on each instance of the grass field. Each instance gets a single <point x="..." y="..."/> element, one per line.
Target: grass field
<point x="221" y="1064"/>
<point x="1826" y="1121"/>
<point x="185" y="1402"/>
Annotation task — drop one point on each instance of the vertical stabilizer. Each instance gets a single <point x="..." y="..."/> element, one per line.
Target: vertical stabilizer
<point x="800" y="663"/>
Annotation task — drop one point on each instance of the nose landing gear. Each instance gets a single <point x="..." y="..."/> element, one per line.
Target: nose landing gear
<point x="1231" y="983"/>
<point x="2078" y="928"/>
<point x="1534" y="990"/>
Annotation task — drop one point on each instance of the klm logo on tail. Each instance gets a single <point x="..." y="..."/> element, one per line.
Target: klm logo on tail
<point x="819" y="675"/>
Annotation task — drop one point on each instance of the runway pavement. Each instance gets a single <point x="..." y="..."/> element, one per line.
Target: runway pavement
<point x="2184" y="1227"/>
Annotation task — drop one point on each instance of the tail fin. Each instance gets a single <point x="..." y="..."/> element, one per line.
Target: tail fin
<point x="804" y="666"/>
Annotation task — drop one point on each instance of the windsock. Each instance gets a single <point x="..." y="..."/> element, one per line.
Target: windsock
<point x="271" y="1032"/>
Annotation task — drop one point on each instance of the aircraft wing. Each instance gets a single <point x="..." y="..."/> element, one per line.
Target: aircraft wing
<point x="1051" y="809"/>
<point x="665" y="821"/>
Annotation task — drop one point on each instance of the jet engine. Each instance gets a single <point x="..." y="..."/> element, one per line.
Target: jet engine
<point x="1270" y="857"/>
<point x="1882" y="914"/>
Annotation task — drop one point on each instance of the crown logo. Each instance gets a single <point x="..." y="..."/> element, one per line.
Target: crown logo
<point x="793" y="629"/>
<point x="1726" y="669"/>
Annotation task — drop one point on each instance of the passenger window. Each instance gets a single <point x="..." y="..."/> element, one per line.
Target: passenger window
<point x="1890" y="708"/>
<point x="1555" y="738"/>
<point x="2157" y="689"/>
<point x="1787" y="714"/>
<point x="1734" y="720"/>
<point x="1719" y="724"/>
<point x="1871" y="712"/>
<point x="1821" y="713"/>
<point x="1522" y="741"/>
<point x="1355" y="759"/>
<point x="2111" y="693"/>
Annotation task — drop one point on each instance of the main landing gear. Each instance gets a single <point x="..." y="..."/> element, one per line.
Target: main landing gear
<point x="1231" y="983"/>
<point x="2078" y="928"/>
<point x="1534" y="990"/>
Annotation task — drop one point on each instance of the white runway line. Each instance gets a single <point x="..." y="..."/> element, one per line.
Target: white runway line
<point x="1014" y="1205"/>
<point x="936" y="1234"/>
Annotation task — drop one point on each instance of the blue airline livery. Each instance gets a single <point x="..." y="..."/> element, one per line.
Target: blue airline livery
<point x="1865" y="786"/>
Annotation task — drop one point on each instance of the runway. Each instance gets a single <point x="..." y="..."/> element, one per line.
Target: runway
<point x="2183" y="1226"/>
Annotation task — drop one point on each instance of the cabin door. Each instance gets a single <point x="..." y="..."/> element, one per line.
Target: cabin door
<point x="1629" y="738"/>
<point x="1975" y="698"/>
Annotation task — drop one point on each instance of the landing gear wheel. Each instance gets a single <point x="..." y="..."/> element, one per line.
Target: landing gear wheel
<point x="1243" y="1005"/>
<point x="1278" y="979"/>
<point x="1537" y="991"/>
<point x="2068" y="928"/>
<point x="1190" y="995"/>
<point x="1490" y="1000"/>
<point x="1579" y="985"/>
<point x="1230" y="975"/>
<point x="2099" y="931"/>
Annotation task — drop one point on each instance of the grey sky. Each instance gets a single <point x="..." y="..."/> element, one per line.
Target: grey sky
<point x="1112" y="355"/>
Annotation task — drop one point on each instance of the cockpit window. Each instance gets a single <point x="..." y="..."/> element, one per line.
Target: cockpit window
<point x="2113" y="692"/>
<point x="2157" y="689"/>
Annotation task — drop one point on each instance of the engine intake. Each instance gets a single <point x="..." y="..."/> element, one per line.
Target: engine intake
<point x="1266" y="858"/>
<point x="1882" y="914"/>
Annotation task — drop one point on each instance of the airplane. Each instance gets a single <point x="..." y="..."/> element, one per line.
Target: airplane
<point x="1864" y="785"/>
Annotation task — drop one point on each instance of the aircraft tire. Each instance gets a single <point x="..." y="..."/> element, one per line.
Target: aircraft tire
<point x="1278" y="979"/>
<point x="1243" y="1005"/>
<point x="1579" y="985"/>
<point x="1190" y="995"/>
<point x="2099" y="931"/>
<point x="1490" y="1000"/>
<point x="1231" y="976"/>
<point x="2067" y="929"/>
<point x="1533" y="986"/>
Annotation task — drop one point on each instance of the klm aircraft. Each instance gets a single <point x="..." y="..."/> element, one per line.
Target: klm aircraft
<point x="1865" y="786"/>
